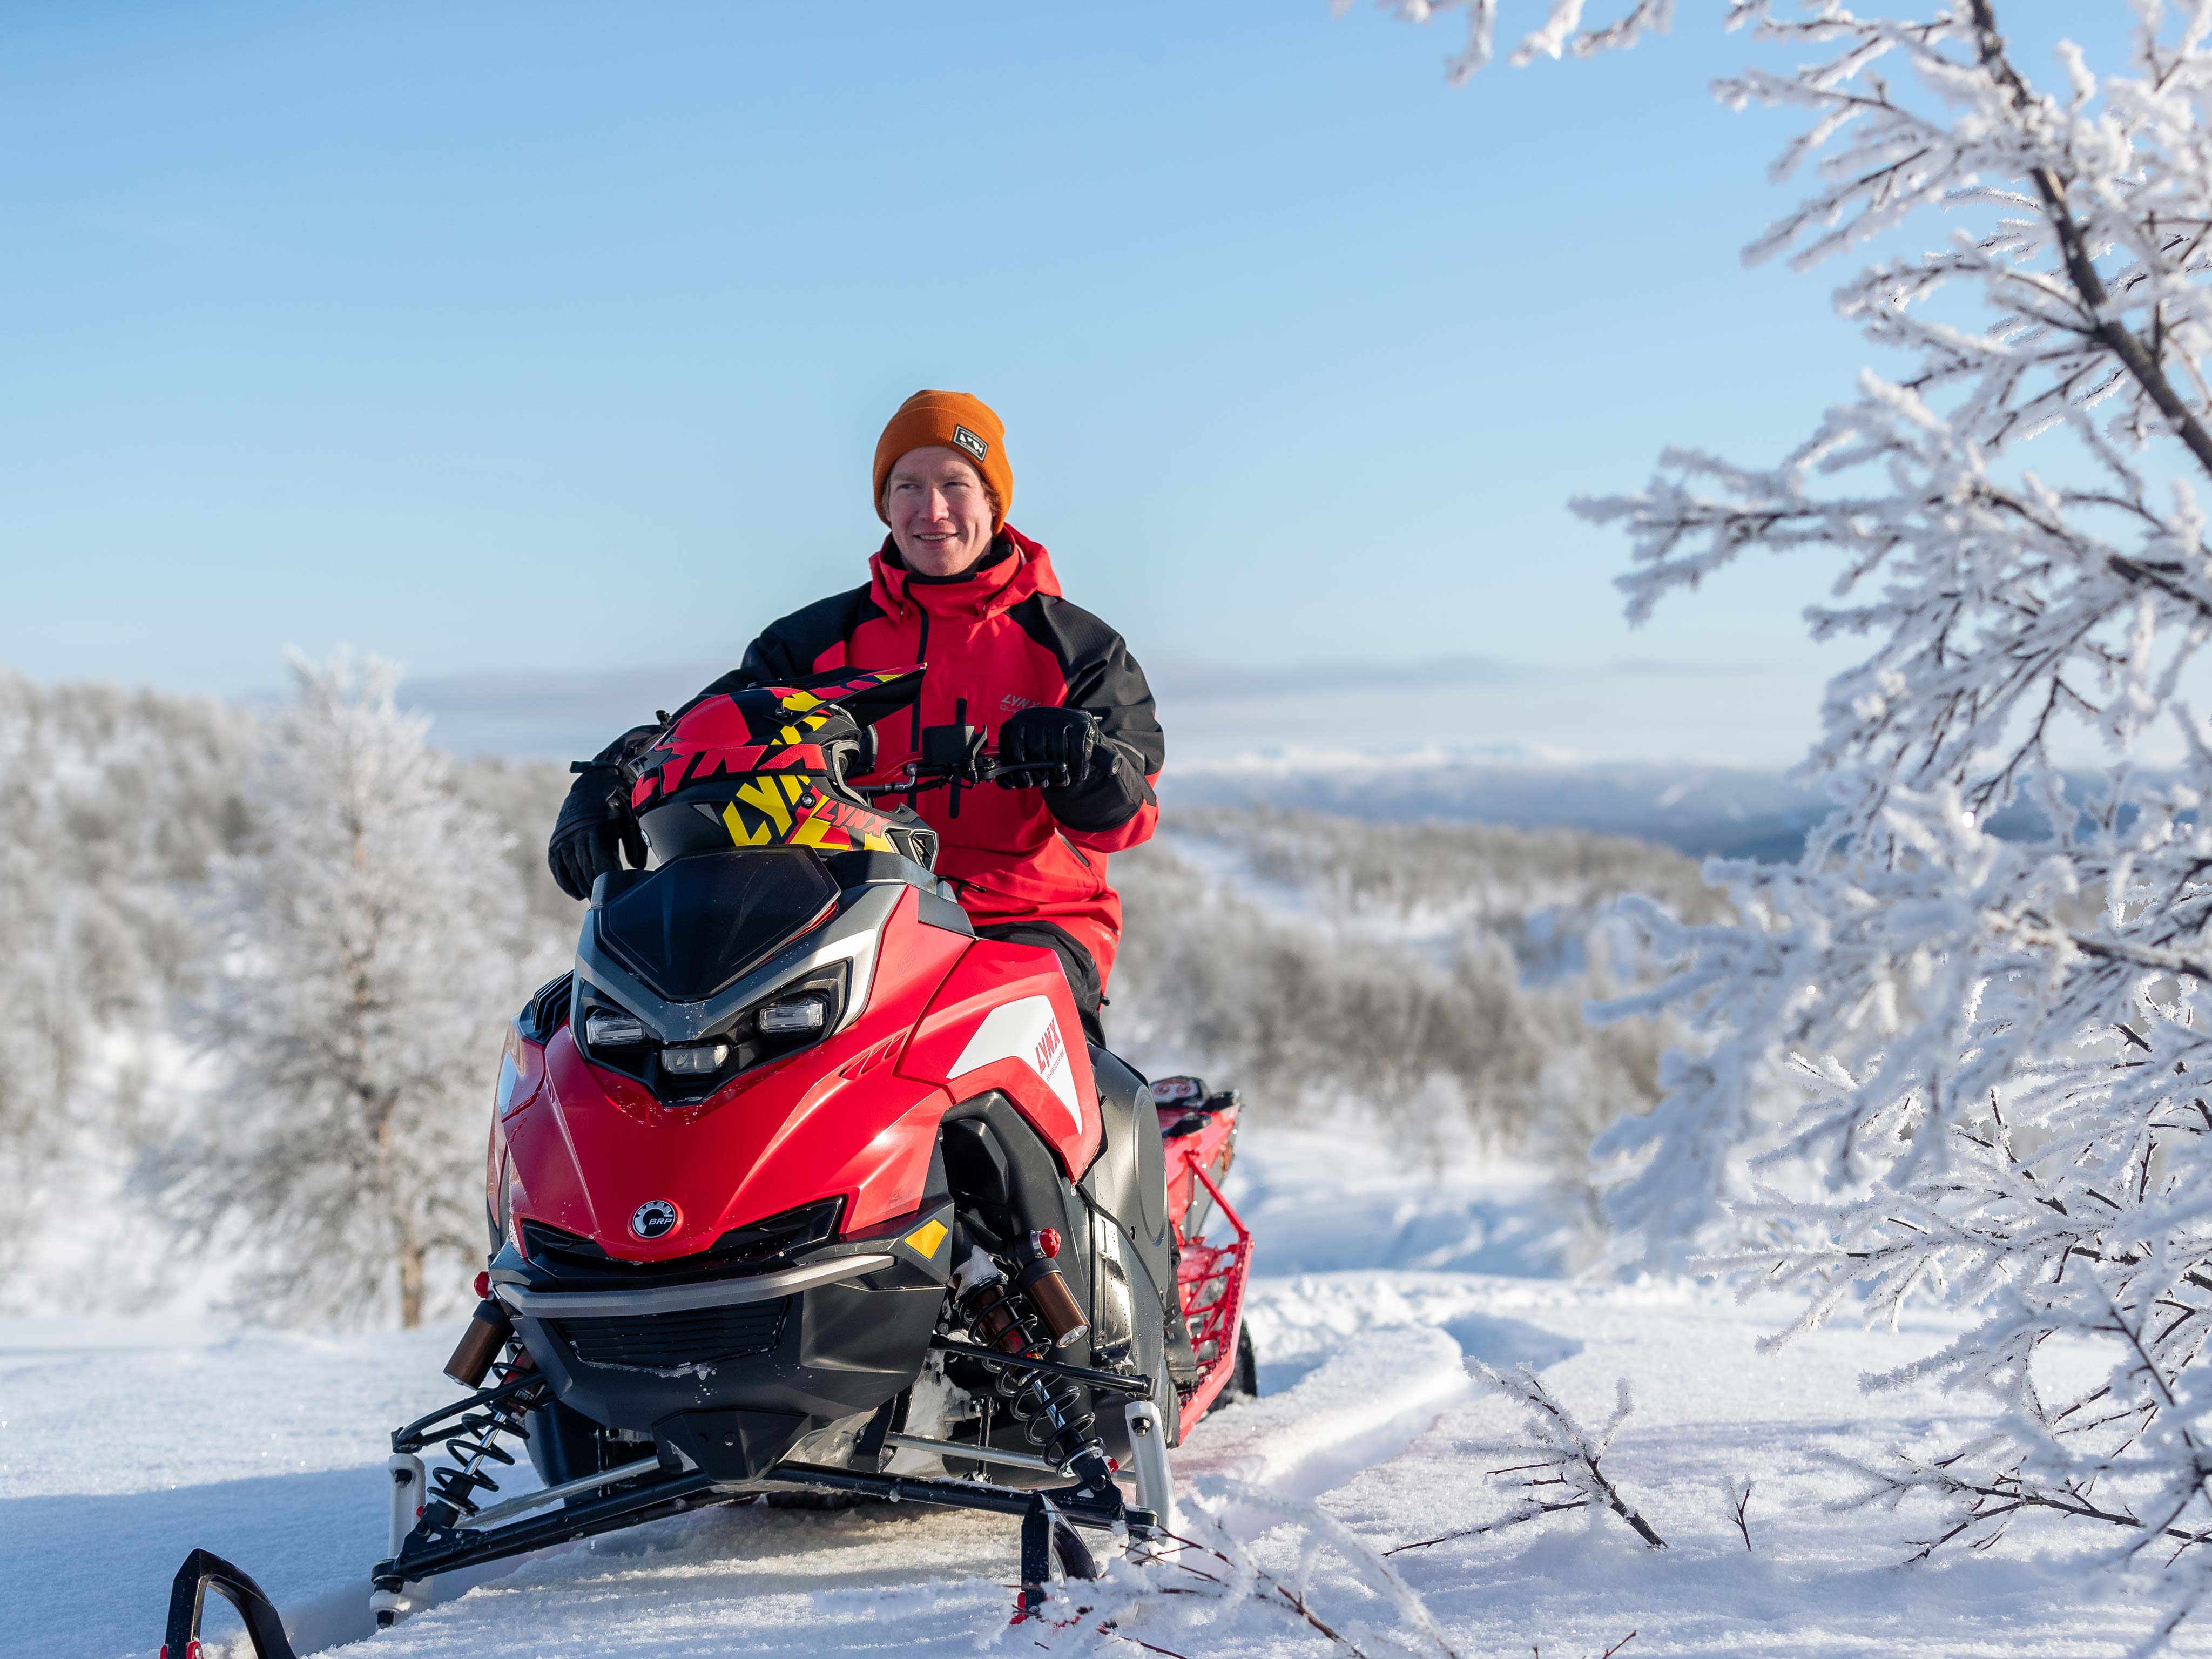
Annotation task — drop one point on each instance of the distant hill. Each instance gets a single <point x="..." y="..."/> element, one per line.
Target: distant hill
<point x="1695" y="809"/>
<point x="1703" y="810"/>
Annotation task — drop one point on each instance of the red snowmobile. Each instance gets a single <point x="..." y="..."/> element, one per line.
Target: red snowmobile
<point x="796" y="1185"/>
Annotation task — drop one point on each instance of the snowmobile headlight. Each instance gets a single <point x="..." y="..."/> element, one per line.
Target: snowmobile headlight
<point x="607" y="1030"/>
<point x="794" y="1015"/>
<point x="695" y="1060"/>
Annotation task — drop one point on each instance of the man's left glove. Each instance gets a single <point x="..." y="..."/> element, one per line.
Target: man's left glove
<point x="596" y="826"/>
<point x="1065" y="740"/>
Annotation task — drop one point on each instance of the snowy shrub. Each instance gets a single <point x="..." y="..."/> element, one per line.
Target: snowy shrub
<point x="1430" y="977"/>
<point x="364" y="950"/>
<point x="1985" y="1058"/>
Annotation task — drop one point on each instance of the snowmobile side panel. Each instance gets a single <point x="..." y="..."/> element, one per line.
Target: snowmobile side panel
<point x="1140" y="1325"/>
<point x="1129" y="1176"/>
<point x="1000" y="1021"/>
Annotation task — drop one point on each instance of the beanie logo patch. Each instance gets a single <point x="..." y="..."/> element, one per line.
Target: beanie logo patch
<point x="969" y="441"/>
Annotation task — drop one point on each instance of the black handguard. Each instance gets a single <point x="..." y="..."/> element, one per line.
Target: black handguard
<point x="1064" y="740"/>
<point x="595" y="828"/>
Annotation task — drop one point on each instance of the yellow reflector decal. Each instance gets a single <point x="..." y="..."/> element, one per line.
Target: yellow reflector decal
<point x="925" y="1239"/>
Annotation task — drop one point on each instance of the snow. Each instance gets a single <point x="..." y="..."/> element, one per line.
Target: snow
<point x="125" y="1442"/>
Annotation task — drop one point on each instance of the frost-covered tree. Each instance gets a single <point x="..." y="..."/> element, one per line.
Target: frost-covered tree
<point x="1967" y="1067"/>
<point x="363" y="951"/>
<point x="112" y="802"/>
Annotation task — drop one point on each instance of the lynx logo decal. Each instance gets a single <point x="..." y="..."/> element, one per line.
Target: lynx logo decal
<point x="835" y="826"/>
<point x="1027" y="1030"/>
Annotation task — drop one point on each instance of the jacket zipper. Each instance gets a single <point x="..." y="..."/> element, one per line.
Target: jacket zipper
<point x="921" y="656"/>
<point x="1073" y="848"/>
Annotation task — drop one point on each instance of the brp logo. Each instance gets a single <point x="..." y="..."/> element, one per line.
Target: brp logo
<point x="655" y="1217"/>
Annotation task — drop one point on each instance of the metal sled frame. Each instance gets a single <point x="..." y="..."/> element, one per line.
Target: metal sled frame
<point x="1048" y="1517"/>
<point x="1211" y="1286"/>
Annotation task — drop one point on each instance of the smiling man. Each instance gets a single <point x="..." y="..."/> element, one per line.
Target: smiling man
<point x="956" y="588"/>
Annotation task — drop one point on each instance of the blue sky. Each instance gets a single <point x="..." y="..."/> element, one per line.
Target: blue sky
<point x="546" y="346"/>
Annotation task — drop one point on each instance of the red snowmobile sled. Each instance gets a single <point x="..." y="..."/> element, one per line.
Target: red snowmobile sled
<point x="796" y="1185"/>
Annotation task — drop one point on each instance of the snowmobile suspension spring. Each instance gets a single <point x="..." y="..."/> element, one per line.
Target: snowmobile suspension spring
<point x="1050" y="1410"/>
<point x="1051" y="1413"/>
<point x="475" y="1442"/>
<point x="1002" y="1317"/>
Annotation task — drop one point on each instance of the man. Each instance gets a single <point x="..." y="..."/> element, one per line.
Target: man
<point x="956" y="588"/>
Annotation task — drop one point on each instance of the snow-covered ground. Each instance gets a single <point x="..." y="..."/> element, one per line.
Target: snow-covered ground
<point x="123" y="1443"/>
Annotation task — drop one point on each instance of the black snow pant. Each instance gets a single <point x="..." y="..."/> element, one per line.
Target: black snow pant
<point x="1082" y="972"/>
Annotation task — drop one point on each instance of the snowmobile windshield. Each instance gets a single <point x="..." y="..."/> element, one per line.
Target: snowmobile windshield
<point x="767" y="767"/>
<point x="693" y="927"/>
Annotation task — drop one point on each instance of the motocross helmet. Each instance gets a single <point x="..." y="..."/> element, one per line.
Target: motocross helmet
<point x="769" y="766"/>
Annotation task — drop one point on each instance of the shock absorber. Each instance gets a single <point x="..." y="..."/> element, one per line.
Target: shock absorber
<point x="475" y="1443"/>
<point x="1011" y="1316"/>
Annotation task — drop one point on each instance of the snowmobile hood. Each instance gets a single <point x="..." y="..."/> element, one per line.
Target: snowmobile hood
<point x="595" y="1152"/>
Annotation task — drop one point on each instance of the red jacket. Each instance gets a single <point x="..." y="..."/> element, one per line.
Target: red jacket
<point x="1004" y="639"/>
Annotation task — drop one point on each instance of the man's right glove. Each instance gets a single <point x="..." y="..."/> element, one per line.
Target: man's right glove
<point x="596" y="826"/>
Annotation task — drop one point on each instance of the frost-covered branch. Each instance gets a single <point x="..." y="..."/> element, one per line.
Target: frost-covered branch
<point x="1192" y="1592"/>
<point x="1558" y="1468"/>
<point x="1926" y="1060"/>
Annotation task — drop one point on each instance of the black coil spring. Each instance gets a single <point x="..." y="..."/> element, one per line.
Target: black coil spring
<point x="1051" y="1413"/>
<point x="1050" y="1409"/>
<point x="475" y="1442"/>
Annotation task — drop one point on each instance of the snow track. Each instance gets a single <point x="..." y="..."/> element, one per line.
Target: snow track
<point x="122" y="1445"/>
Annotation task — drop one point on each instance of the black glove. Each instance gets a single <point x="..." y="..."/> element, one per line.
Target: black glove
<point x="596" y="826"/>
<point x="1063" y="740"/>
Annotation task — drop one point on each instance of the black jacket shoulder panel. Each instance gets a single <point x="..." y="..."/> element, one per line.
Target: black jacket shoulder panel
<point x="1067" y="630"/>
<point x="793" y="645"/>
<point x="1102" y="677"/>
<point x="1105" y="682"/>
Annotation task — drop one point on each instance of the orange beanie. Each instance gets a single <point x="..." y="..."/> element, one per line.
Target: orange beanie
<point x="956" y="420"/>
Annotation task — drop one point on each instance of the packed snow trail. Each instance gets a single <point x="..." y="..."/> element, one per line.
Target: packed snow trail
<point x="124" y="1443"/>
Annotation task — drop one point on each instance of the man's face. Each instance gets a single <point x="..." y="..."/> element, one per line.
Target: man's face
<point x="940" y="513"/>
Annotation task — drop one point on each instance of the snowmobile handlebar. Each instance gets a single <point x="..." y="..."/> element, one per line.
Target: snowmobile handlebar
<point x="921" y="776"/>
<point x="953" y="757"/>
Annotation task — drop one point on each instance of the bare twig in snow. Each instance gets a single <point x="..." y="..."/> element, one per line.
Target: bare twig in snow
<point x="1563" y="1468"/>
<point x="1739" y="1507"/>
